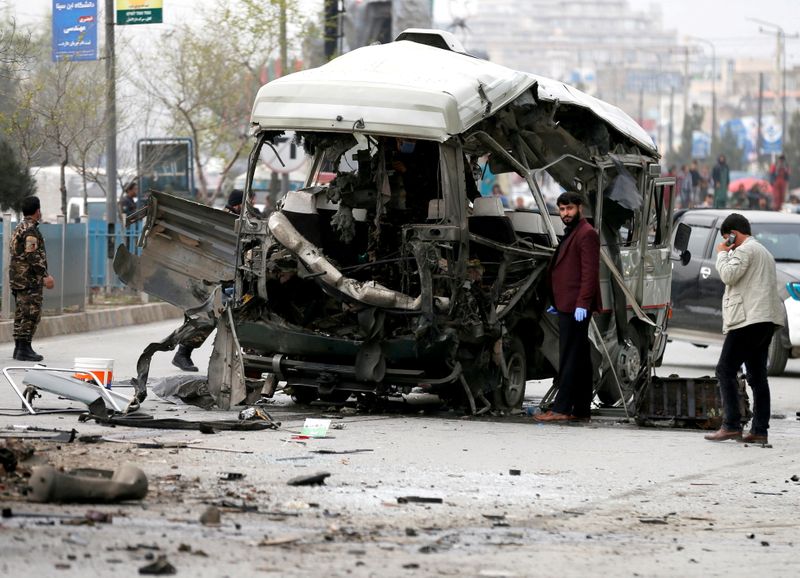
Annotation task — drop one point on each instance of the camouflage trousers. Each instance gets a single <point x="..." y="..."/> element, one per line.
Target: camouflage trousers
<point x="27" y="314"/>
<point x="200" y="334"/>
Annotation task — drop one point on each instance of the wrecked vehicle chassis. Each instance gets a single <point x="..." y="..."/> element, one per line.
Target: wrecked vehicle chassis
<point x="398" y="275"/>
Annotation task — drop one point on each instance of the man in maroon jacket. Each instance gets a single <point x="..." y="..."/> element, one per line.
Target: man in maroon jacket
<point x="575" y="288"/>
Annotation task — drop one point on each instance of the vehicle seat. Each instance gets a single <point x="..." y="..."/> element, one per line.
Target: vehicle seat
<point x="530" y="225"/>
<point x="489" y="220"/>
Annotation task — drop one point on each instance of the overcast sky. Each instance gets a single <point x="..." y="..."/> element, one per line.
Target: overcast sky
<point x="724" y="22"/>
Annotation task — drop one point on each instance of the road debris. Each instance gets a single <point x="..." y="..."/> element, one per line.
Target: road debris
<point x="279" y="541"/>
<point x="147" y="421"/>
<point x="188" y="549"/>
<point x="315" y="428"/>
<point x="231" y="476"/>
<point x="418" y="500"/>
<point x="211" y="516"/>
<point x="337" y="452"/>
<point x="87" y="485"/>
<point x="514" y="472"/>
<point x="29" y="432"/>
<point x="161" y="567"/>
<point x="317" y="479"/>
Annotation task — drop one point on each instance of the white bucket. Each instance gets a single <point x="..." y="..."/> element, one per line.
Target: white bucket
<point x="91" y="368"/>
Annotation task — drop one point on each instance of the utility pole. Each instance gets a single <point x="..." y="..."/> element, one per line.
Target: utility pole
<point x="111" y="141"/>
<point x="780" y="67"/>
<point x="284" y="71"/>
<point x="759" y="140"/>
<point x="671" y="132"/>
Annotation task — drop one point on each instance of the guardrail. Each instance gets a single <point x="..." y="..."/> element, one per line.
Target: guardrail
<point x="77" y="257"/>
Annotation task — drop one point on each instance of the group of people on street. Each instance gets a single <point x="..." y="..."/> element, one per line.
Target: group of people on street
<point x="699" y="187"/>
<point x="751" y="310"/>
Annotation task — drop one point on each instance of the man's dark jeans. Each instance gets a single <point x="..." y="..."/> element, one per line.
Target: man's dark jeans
<point x="748" y="345"/>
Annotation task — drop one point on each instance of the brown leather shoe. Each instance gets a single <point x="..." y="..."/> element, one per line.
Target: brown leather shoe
<point x="752" y="438"/>
<point x="552" y="416"/>
<point x="723" y="434"/>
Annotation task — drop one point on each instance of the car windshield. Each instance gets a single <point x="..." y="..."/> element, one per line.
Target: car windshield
<point x="782" y="240"/>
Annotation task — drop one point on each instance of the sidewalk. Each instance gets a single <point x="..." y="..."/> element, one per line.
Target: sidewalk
<point x="96" y="318"/>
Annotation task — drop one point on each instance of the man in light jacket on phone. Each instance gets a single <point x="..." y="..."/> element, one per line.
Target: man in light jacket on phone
<point x="751" y="311"/>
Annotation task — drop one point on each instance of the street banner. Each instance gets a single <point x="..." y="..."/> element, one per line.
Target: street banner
<point x="74" y="30"/>
<point x="139" y="11"/>
<point x="745" y="129"/>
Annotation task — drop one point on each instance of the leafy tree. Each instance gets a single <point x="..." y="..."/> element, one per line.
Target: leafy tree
<point x="206" y="76"/>
<point x="728" y="145"/>
<point x="692" y="121"/>
<point x="57" y="112"/>
<point x="15" y="180"/>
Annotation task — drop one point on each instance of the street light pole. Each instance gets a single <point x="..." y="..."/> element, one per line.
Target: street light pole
<point x="780" y="52"/>
<point x="111" y="142"/>
<point x="713" y="86"/>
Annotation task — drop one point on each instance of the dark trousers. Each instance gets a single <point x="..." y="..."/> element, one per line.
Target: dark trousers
<point x="574" y="395"/>
<point x="748" y="345"/>
<point x="27" y="314"/>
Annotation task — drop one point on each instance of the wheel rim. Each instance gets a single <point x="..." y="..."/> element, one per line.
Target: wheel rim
<point x="514" y="387"/>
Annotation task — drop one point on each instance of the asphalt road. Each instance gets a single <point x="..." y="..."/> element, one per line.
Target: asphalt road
<point x="602" y="498"/>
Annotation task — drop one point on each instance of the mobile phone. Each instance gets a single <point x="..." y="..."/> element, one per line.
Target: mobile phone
<point x="731" y="239"/>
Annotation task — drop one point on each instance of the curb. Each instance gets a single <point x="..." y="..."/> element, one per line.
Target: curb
<point x="95" y="320"/>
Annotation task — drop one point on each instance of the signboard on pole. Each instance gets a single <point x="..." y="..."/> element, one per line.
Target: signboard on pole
<point x="165" y="165"/>
<point x="139" y="11"/>
<point x="74" y="30"/>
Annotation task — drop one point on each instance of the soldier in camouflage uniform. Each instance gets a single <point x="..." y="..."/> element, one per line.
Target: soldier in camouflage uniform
<point x="27" y="273"/>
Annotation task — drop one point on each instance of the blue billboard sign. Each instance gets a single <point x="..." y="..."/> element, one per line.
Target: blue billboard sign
<point x="745" y="129"/>
<point x="74" y="30"/>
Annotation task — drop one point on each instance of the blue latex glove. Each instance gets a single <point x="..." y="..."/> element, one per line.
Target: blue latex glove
<point x="580" y="313"/>
<point x="552" y="310"/>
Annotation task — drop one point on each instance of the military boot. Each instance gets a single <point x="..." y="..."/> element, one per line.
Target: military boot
<point x="183" y="358"/>
<point x="26" y="352"/>
<point x="16" y="348"/>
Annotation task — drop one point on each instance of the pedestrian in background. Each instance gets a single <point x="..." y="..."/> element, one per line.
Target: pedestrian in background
<point x="575" y="288"/>
<point x="498" y="192"/>
<point x="751" y="311"/>
<point x="127" y="203"/>
<point x="721" y="175"/>
<point x="685" y="187"/>
<point x="694" y="173"/>
<point x="27" y="276"/>
<point x="779" y="177"/>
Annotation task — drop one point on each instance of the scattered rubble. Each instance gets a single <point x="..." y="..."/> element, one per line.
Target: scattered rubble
<point x="47" y="484"/>
<point x="317" y="479"/>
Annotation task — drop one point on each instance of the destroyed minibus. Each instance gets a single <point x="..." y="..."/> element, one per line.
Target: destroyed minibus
<point x="397" y="276"/>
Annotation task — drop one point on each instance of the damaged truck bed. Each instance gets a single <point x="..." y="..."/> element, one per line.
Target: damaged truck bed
<point x="397" y="274"/>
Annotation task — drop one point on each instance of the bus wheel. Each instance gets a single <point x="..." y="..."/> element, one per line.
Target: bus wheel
<point x="511" y="391"/>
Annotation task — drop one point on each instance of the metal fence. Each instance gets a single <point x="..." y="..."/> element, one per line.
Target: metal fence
<point x="77" y="257"/>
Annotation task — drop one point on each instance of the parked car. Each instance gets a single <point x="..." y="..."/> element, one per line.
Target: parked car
<point x="697" y="289"/>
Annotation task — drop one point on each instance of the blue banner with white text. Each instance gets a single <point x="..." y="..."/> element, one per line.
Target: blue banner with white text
<point x="74" y="30"/>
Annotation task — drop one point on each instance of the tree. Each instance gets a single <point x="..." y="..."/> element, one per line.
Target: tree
<point x="728" y="145"/>
<point x="57" y="113"/>
<point x="692" y="121"/>
<point x="206" y="77"/>
<point x="15" y="180"/>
